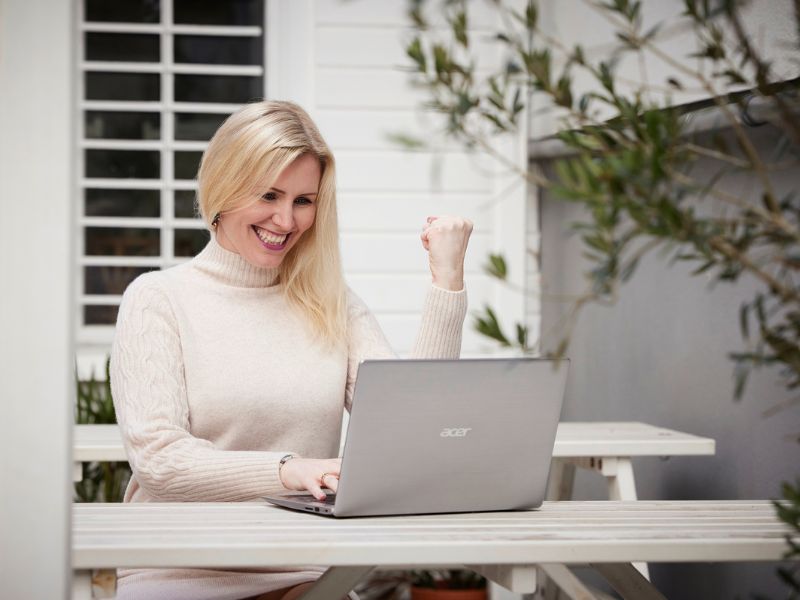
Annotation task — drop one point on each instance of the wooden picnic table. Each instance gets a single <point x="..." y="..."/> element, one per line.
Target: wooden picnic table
<point x="604" y="447"/>
<point x="504" y="546"/>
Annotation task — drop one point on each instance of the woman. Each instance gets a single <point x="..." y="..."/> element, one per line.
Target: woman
<point x="230" y="372"/>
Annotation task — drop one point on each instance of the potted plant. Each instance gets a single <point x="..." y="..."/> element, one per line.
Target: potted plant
<point x="101" y="481"/>
<point x="452" y="584"/>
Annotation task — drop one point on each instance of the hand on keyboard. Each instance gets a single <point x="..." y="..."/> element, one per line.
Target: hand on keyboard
<point x="311" y="474"/>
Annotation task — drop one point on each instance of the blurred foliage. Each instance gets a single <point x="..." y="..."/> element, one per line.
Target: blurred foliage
<point x="102" y="481"/>
<point x="632" y="159"/>
<point x="396" y="585"/>
<point x="451" y="579"/>
<point x="789" y="512"/>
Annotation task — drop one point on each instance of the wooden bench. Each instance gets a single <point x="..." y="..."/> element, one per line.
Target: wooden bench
<point x="504" y="546"/>
<point x="603" y="447"/>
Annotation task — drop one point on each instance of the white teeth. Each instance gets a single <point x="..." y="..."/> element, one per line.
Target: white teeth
<point x="270" y="238"/>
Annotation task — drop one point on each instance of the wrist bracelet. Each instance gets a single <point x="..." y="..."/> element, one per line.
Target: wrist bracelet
<point x="284" y="459"/>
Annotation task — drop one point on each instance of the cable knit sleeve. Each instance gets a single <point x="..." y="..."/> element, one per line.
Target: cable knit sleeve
<point x="439" y="334"/>
<point x="149" y="394"/>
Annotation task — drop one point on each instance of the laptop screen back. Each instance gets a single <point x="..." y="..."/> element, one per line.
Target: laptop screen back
<point x="428" y="436"/>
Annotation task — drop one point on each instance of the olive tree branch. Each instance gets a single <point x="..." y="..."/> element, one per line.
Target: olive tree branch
<point x="744" y="141"/>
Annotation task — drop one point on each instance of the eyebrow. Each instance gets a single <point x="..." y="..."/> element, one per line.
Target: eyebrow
<point x="282" y="192"/>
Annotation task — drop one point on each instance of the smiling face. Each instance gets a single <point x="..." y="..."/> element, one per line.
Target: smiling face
<point x="264" y="231"/>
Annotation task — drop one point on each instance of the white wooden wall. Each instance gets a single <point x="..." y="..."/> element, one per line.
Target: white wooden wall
<point x="360" y="92"/>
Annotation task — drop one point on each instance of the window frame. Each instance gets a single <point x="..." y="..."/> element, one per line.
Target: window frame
<point x="167" y="145"/>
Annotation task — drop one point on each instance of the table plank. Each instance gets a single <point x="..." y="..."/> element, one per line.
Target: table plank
<point x="256" y="534"/>
<point x="591" y="439"/>
<point x="601" y="439"/>
<point x="97" y="443"/>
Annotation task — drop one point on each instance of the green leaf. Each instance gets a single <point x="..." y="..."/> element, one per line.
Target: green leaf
<point x="441" y="60"/>
<point x="407" y="141"/>
<point x="416" y="16"/>
<point x="704" y="267"/>
<point x="605" y="75"/>
<point x="460" y="28"/>
<point x="628" y="270"/>
<point x="414" y="51"/>
<point x="488" y="326"/>
<point x="651" y="33"/>
<point x="733" y="77"/>
<point x="522" y="336"/>
<point x="496" y="267"/>
<point x="531" y="16"/>
<point x="674" y="83"/>
<point x="744" y="320"/>
<point x="578" y="56"/>
<point x="740" y="374"/>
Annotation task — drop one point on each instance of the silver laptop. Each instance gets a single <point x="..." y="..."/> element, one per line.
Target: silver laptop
<point x="445" y="436"/>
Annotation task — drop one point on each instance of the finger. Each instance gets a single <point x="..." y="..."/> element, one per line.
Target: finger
<point x="431" y="219"/>
<point x="332" y="483"/>
<point x="315" y="490"/>
<point x="332" y="472"/>
<point x="424" y="238"/>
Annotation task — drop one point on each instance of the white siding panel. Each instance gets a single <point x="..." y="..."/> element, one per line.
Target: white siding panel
<point x="392" y="13"/>
<point x="380" y="254"/>
<point x="363" y="93"/>
<point x="371" y="129"/>
<point x="407" y="212"/>
<point x="406" y="293"/>
<point x="359" y="47"/>
<point x="400" y="171"/>
<point x="360" y="88"/>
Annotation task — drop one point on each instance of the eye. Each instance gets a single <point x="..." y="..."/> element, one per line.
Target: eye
<point x="270" y="196"/>
<point x="303" y="200"/>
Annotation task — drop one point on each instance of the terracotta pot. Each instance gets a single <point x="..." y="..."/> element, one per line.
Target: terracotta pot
<point x="419" y="593"/>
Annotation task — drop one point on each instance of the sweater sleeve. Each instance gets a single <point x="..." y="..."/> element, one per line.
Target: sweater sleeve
<point x="439" y="334"/>
<point x="150" y="399"/>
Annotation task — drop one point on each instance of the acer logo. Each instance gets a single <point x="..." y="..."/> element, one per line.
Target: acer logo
<point x="455" y="431"/>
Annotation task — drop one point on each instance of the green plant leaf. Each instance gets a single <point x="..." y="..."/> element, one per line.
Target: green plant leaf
<point x="488" y="325"/>
<point x="496" y="267"/>
<point x="414" y="51"/>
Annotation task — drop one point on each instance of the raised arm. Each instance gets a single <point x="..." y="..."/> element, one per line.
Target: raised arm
<point x="149" y="393"/>
<point x="439" y="335"/>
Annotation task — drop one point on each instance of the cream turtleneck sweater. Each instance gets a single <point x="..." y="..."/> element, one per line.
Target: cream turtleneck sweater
<point x="215" y="378"/>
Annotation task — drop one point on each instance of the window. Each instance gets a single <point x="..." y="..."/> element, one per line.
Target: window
<point x="156" y="78"/>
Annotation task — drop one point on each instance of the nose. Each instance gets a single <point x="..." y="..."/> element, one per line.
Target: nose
<point x="283" y="217"/>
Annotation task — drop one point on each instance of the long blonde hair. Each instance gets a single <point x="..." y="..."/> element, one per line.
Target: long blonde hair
<point x="258" y="142"/>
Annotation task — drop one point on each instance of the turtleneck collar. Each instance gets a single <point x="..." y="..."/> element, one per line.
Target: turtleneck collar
<point x="231" y="269"/>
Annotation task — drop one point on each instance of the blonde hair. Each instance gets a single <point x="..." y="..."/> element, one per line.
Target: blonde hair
<point x="256" y="143"/>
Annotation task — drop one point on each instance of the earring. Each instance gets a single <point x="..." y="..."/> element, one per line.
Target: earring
<point x="215" y="221"/>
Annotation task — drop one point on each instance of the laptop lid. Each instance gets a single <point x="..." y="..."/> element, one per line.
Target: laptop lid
<point x="431" y="436"/>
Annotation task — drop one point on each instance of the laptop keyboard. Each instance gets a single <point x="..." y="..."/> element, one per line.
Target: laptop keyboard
<point x="329" y="498"/>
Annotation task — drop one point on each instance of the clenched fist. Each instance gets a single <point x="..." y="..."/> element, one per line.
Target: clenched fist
<point x="445" y="238"/>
